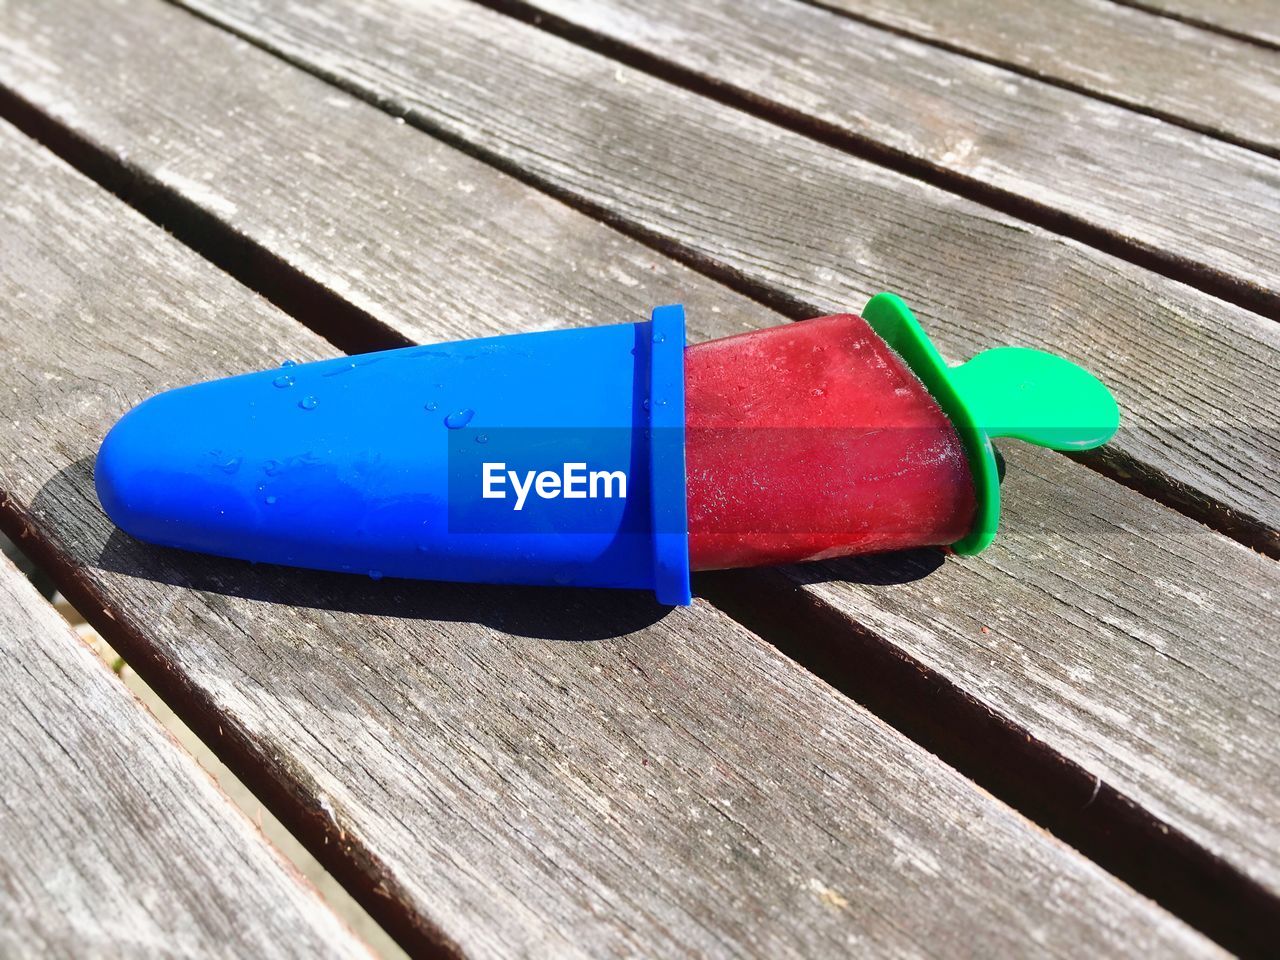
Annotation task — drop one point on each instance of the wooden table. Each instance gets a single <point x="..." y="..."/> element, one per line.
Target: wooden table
<point x="1069" y="745"/>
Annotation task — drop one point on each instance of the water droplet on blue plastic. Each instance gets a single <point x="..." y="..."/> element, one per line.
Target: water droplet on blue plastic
<point x="481" y="438"/>
<point x="659" y="338"/>
<point x="270" y="500"/>
<point x="231" y="466"/>
<point x="308" y="403"/>
<point x="375" y="574"/>
<point x="646" y="404"/>
<point x="271" y="467"/>
<point x="284" y="380"/>
<point x="432" y="405"/>
<point x="458" y="420"/>
<point x="288" y="363"/>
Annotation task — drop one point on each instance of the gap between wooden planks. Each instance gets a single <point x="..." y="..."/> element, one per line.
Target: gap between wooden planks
<point x="329" y="223"/>
<point x="1171" y="199"/>
<point x="1250" y="20"/>
<point x="114" y="840"/>
<point x="1227" y="87"/>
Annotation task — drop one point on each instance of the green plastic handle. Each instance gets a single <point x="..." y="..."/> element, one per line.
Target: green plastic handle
<point x="1037" y="397"/>
<point x="1003" y="392"/>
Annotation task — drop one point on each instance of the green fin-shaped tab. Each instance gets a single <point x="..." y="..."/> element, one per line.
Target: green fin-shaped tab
<point x="1037" y="397"/>
<point x="1004" y="392"/>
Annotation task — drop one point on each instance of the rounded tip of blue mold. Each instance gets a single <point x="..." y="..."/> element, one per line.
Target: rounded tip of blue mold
<point x="143" y="474"/>
<point x="122" y="470"/>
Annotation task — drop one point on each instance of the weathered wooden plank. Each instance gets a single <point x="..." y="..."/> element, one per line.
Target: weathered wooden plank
<point x="676" y="786"/>
<point x="1211" y="82"/>
<point x="968" y="122"/>
<point x="815" y="228"/>
<point x="1062" y="158"/>
<point x="112" y="840"/>
<point x="395" y="198"/>
<point x="1247" y="19"/>
<point x="1050" y="154"/>
<point x="1065" y="607"/>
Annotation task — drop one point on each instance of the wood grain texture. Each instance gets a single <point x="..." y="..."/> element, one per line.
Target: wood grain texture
<point x="397" y="197"/>
<point x="533" y="772"/>
<point x="113" y="842"/>
<point x="1064" y="604"/>
<point x="1218" y="84"/>
<point x="1198" y="380"/>
<point x="1134" y="177"/>
<point x="1255" y="20"/>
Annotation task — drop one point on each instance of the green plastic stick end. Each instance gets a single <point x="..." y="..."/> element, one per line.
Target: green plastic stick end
<point x="1013" y="392"/>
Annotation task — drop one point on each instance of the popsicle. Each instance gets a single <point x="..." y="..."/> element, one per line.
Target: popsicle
<point x="844" y="435"/>
<point x="815" y="440"/>
<point x="609" y="456"/>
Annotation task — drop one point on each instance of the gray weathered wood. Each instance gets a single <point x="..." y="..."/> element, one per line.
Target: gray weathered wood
<point x="376" y="202"/>
<point x="513" y="771"/>
<point x="1060" y="150"/>
<point x="1215" y="83"/>
<point x="1102" y="598"/>
<point x="1198" y="380"/>
<point x="1065" y="153"/>
<point x="1248" y="19"/>
<point x="113" y="842"/>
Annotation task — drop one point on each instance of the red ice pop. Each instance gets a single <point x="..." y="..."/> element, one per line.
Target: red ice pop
<point x="838" y="436"/>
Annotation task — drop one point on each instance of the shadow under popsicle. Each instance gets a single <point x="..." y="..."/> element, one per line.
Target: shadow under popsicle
<point x="549" y="613"/>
